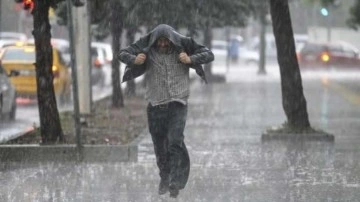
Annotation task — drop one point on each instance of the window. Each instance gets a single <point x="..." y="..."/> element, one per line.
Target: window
<point x="349" y="50"/>
<point x="312" y="48"/>
<point x="335" y="49"/>
<point x="20" y="54"/>
<point x="61" y="58"/>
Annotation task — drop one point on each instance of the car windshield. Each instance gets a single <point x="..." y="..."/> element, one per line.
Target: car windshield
<point x="312" y="48"/>
<point x="19" y="54"/>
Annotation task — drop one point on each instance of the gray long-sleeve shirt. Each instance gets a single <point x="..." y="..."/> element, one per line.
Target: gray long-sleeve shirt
<point x="167" y="78"/>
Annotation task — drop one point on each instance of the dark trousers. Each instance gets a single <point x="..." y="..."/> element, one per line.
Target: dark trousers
<point x="166" y="126"/>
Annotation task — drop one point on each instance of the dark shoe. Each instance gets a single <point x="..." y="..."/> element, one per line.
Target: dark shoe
<point x="163" y="186"/>
<point x="174" y="191"/>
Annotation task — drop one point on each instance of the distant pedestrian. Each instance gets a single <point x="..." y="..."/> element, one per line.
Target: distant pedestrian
<point x="166" y="56"/>
<point x="234" y="48"/>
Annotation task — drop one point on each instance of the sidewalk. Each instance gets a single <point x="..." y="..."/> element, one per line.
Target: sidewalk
<point x="229" y="162"/>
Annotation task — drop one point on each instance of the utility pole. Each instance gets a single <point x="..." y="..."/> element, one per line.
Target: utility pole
<point x="82" y="52"/>
<point x="0" y="14"/>
<point x="325" y="12"/>
<point x="227" y="33"/>
<point x="263" y="10"/>
<point x="74" y="79"/>
<point x="328" y="27"/>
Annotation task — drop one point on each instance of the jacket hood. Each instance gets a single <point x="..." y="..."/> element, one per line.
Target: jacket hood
<point x="166" y="31"/>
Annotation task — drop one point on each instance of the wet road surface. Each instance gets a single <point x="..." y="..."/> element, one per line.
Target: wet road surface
<point x="229" y="161"/>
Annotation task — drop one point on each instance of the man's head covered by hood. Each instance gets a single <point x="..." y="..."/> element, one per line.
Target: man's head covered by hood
<point x="164" y="38"/>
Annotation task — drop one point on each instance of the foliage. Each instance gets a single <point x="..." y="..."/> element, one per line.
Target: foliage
<point x="354" y="20"/>
<point x="221" y="13"/>
<point x="325" y="3"/>
<point x="99" y="17"/>
<point x="257" y="7"/>
<point x="149" y="13"/>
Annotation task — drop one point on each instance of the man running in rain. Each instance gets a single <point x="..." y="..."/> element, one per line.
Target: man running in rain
<point x="166" y="56"/>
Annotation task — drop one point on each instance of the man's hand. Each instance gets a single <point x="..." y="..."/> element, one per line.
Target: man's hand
<point x="184" y="58"/>
<point x="140" y="59"/>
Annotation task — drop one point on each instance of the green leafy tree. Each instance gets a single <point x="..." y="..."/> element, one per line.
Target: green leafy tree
<point x="354" y="20"/>
<point x="196" y="15"/>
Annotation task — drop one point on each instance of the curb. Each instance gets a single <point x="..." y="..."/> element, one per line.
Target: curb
<point x="297" y="137"/>
<point x="66" y="153"/>
<point x="36" y="153"/>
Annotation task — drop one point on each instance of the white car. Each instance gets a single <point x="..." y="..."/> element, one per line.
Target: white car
<point x="13" y="36"/>
<point x="7" y="95"/>
<point x="104" y="57"/>
<point x="8" y="38"/>
<point x="104" y="50"/>
<point x="220" y="50"/>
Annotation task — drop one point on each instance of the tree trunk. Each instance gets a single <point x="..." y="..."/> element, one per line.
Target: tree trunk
<point x="207" y="43"/>
<point x="262" y="47"/>
<point x="116" y="31"/>
<point x="130" y="85"/>
<point x="191" y="31"/>
<point x="293" y="99"/>
<point x="50" y="127"/>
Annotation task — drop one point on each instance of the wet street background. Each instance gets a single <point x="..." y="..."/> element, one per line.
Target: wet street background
<point x="229" y="161"/>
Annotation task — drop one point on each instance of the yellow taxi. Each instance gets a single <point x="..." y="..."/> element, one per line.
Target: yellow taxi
<point x="21" y="57"/>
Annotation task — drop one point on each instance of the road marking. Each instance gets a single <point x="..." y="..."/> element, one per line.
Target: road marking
<point x="349" y="95"/>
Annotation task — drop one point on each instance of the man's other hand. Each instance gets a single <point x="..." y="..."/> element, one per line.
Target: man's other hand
<point x="140" y="59"/>
<point x="184" y="58"/>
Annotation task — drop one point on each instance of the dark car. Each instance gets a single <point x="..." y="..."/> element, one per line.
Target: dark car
<point x="328" y="55"/>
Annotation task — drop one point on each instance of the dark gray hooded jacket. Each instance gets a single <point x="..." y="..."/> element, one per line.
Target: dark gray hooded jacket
<point x="199" y="54"/>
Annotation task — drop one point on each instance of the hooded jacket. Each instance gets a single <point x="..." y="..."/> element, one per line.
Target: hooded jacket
<point x="198" y="54"/>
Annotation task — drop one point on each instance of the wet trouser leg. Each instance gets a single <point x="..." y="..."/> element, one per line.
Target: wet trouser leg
<point x="157" y="121"/>
<point x="166" y="126"/>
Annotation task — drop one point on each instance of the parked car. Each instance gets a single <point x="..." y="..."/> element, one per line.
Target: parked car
<point x="105" y="56"/>
<point x="104" y="50"/>
<point x="61" y="44"/>
<point x="326" y="55"/>
<point x="99" y="57"/>
<point x="21" y="57"/>
<point x="13" y="36"/>
<point x="220" y="50"/>
<point x="97" y="72"/>
<point x="7" y="95"/>
<point x="7" y="38"/>
<point x="219" y="65"/>
<point x="251" y="54"/>
<point x="5" y="42"/>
